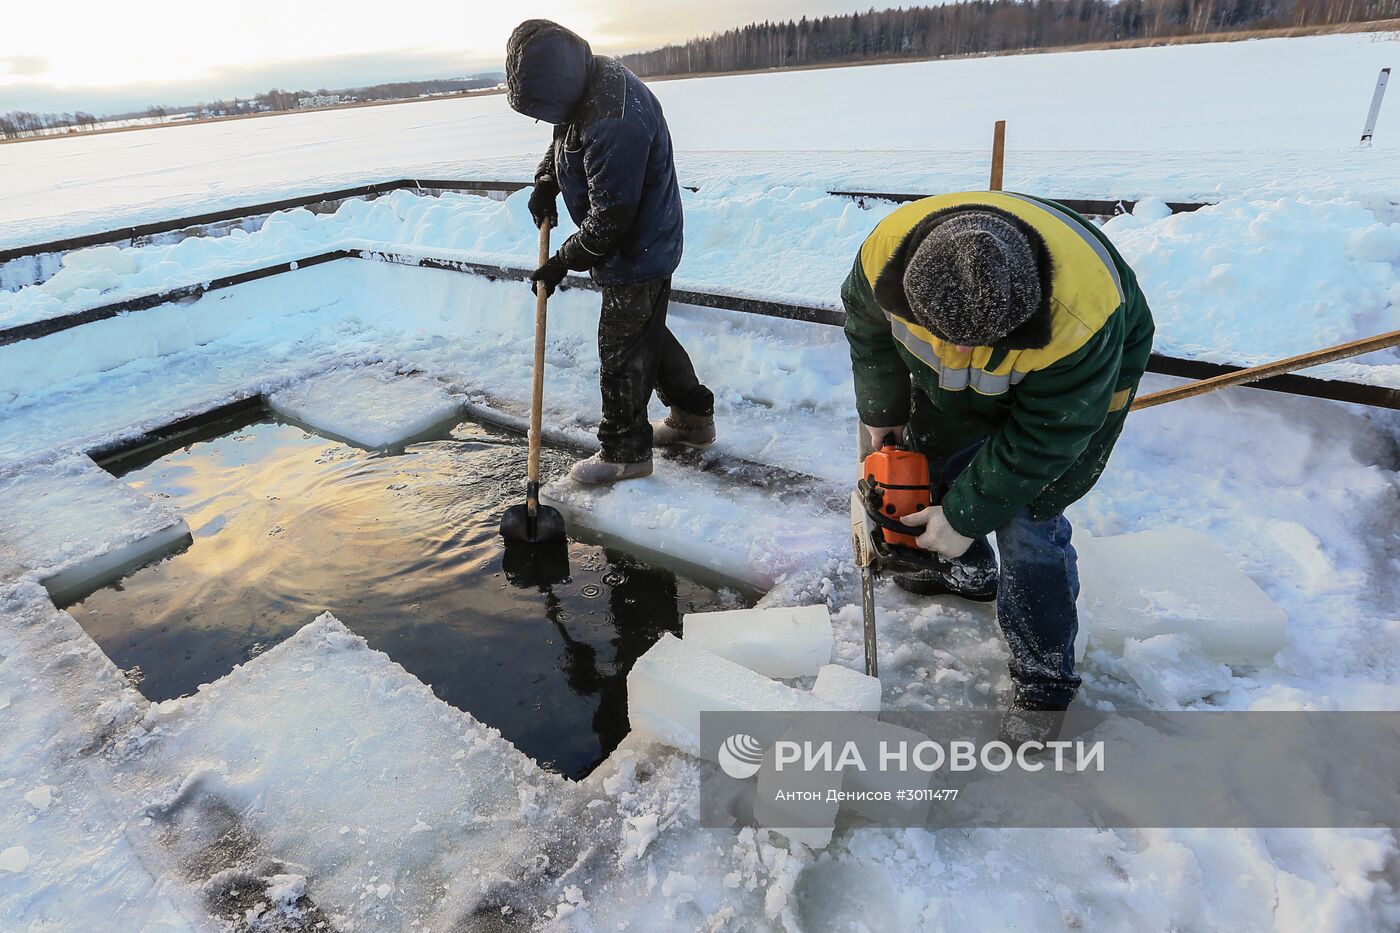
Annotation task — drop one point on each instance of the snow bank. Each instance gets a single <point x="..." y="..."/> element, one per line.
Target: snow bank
<point x="1248" y="281"/>
<point x="369" y="406"/>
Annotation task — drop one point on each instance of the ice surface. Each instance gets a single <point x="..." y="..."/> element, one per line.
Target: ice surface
<point x="675" y="681"/>
<point x="369" y="406"/>
<point x="75" y="525"/>
<point x="1176" y="580"/>
<point x="850" y="690"/>
<point x="736" y="532"/>
<point x="779" y="641"/>
<point x="322" y="733"/>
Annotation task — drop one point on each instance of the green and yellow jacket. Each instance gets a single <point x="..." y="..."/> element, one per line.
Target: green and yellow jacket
<point x="1050" y="399"/>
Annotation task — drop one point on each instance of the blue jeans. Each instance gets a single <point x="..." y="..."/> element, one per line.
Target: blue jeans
<point x="1036" y="589"/>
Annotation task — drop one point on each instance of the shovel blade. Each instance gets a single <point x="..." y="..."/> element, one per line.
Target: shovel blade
<point x="537" y="552"/>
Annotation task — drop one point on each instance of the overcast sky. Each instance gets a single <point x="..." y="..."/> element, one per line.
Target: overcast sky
<point x="114" y="55"/>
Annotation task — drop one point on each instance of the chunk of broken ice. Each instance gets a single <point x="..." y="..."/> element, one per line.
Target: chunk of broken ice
<point x="675" y="681"/>
<point x="785" y="641"/>
<point x="1175" y="580"/>
<point x="847" y="689"/>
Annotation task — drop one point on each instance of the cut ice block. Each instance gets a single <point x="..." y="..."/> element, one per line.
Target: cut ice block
<point x="347" y="767"/>
<point x="1176" y="580"/>
<point x="675" y="681"/>
<point x="783" y="641"/>
<point x="721" y="531"/>
<point x="370" y="405"/>
<point x="847" y="689"/>
<point x="77" y="527"/>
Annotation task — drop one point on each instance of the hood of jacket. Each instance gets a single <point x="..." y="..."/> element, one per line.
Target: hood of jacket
<point x="547" y="70"/>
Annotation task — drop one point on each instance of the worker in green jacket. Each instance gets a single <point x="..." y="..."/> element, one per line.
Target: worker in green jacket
<point x="1004" y="337"/>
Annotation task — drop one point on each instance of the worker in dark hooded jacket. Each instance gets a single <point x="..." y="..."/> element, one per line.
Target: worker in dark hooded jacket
<point x="1004" y="337"/>
<point x="611" y="158"/>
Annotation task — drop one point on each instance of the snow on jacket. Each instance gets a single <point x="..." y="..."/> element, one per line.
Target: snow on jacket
<point x="611" y="154"/>
<point x="1050" y="398"/>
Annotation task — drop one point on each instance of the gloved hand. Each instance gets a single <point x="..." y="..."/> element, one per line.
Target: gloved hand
<point x="876" y="436"/>
<point x="542" y="201"/>
<point x="939" y="536"/>
<point x="548" y="275"/>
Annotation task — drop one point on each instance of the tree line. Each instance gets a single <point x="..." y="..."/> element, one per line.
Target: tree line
<point x="975" y="27"/>
<point x="21" y="123"/>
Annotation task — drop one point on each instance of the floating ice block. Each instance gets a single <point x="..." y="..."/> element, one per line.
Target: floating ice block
<point x="370" y="406"/>
<point x="77" y="526"/>
<point x="847" y="689"/>
<point x="675" y="681"/>
<point x="1176" y="580"/>
<point x="737" y="533"/>
<point x="785" y="641"/>
<point x="346" y="766"/>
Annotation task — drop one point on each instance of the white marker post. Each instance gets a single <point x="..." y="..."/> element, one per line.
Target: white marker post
<point x="1370" y="129"/>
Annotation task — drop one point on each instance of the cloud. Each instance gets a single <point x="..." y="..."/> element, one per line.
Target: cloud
<point x="227" y="81"/>
<point x="24" y="66"/>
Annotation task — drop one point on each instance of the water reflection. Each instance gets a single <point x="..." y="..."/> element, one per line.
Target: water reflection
<point x="404" y="550"/>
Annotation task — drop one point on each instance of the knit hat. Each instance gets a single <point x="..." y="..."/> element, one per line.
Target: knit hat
<point x="974" y="279"/>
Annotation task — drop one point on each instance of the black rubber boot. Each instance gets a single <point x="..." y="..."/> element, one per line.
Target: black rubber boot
<point x="972" y="576"/>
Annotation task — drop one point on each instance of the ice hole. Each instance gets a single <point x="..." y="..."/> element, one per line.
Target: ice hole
<point x="402" y="548"/>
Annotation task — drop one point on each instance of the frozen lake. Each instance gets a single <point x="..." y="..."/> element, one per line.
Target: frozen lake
<point x="1170" y="121"/>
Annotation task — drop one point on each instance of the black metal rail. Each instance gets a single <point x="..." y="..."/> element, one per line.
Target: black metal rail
<point x="1098" y="207"/>
<point x="1292" y="384"/>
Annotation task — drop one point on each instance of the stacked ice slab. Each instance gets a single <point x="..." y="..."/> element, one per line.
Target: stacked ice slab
<point x="1176" y="581"/>
<point x="728" y="662"/>
<point x="75" y="526"/>
<point x="370" y="406"/>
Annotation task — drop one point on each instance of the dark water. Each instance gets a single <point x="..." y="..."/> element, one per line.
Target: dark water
<point x="404" y="550"/>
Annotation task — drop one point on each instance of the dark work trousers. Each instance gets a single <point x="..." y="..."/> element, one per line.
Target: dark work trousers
<point x="638" y="355"/>
<point x="1036" y="593"/>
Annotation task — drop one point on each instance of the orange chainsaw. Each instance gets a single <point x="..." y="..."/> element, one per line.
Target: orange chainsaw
<point x="894" y="482"/>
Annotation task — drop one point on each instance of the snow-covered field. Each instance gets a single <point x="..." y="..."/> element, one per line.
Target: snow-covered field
<point x="1179" y="122"/>
<point x="321" y="782"/>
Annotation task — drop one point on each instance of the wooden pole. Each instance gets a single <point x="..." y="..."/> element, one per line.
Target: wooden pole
<point x="1278" y="367"/>
<point x="998" y="153"/>
<point x="532" y="489"/>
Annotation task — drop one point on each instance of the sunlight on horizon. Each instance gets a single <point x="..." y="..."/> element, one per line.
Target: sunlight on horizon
<point x="159" y="41"/>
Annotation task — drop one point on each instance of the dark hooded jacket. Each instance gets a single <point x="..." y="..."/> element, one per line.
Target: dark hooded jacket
<point x="611" y="154"/>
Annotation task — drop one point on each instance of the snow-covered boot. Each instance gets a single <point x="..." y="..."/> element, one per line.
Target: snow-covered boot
<point x="972" y="576"/>
<point x="1033" y="719"/>
<point x="681" y="427"/>
<point x="595" y="471"/>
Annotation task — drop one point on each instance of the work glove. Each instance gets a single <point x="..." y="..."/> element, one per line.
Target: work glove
<point x="542" y="201"/>
<point x="878" y="436"/>
<point x="548" y="275"/>
<point x="939" y="536"/>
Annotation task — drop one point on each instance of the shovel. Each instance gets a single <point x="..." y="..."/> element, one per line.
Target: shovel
<point x="537" y="551"/>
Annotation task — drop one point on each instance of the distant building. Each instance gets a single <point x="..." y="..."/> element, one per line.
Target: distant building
<point x="318" y="100"/>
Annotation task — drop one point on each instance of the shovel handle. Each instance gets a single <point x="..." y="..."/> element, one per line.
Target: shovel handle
<point x="532" y="494"/>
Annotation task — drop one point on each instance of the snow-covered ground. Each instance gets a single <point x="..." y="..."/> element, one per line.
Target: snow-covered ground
<point x="1180" y="122"/>
<point x="321" y="782"/>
